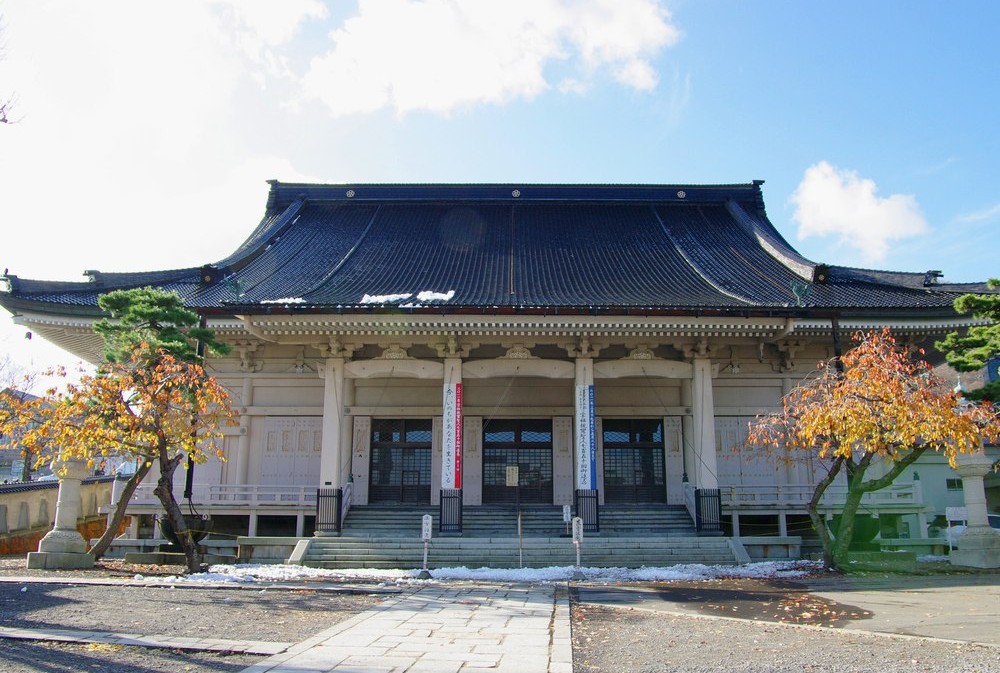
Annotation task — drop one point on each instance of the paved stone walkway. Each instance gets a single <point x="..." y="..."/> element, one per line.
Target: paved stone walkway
<point x="468" y="629"/>
<point x="164" y="641"/>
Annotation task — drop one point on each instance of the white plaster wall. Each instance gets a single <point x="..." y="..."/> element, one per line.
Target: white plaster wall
<point x="562" y="461"/>
<point x="527" y="392"/>
<point x="610" y="394"/>
<point x="472" y="466"/>
<point x="673" y="440"/>
<point x="737" y="392"/>
<point x="739" y="465"/>
<point x="436" y="460"/>
<point x="361" y="459"/>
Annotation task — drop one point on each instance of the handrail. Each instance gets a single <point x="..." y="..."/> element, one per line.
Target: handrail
<point x="237" y="494"/>
<point x="690" y="501"/>
<point x="775" y="495"/>
<point x="345" y="505"/>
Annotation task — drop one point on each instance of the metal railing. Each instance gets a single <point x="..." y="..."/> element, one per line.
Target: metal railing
<point x="707" y="510"/>
<point x="587" y="507"/>
<point x="450" y="515"/>
<point x="329" y="510"/>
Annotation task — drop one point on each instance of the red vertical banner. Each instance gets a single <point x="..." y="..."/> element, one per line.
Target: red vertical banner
<point x="458" y="435"/>
<point x="451" y="439"/>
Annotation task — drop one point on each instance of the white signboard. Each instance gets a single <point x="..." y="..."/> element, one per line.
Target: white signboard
<point x="586" y="439"/>
<point x="451" y="437"/>
<point x="426" y="526"/>
<point x="513" y="475"/>
<point x="577" y="529"/>
<point x="567" y="515"/>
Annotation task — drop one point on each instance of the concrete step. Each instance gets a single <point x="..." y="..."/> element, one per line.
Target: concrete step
<point x="376" y="552"/>
<point x="536" y="520"/>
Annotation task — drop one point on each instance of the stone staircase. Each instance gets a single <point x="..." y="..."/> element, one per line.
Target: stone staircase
<point x="380" y="536"/>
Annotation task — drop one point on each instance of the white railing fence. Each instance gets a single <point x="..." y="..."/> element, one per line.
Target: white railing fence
<point x="237" y="494"/>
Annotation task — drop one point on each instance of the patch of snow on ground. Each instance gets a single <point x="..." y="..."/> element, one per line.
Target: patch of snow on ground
<point x="282" y="573"/>
<point x="383" y="298"/>
<point x="931" y="558"/>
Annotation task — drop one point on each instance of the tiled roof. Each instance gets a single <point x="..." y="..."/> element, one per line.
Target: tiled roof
<point x="671" y="248"/>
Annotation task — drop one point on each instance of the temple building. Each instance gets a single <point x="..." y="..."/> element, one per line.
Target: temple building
<point x="404" y="343"/>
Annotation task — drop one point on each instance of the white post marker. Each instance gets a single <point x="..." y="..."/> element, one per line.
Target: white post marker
<point x="567" y="517"/>
<point x="578" y="542"/>
<point x="426" y="527"/>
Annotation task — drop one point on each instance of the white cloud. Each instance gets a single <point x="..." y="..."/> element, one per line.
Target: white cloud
<point x="438" y="55"/>
<point x="637" y="74"/>
<point x="838" y="202"/>
<point x="984" y="215"/>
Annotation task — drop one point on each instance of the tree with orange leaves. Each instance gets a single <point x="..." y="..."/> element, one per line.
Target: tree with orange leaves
<point x="879" y="403"/>
<point x="159" y="411"/>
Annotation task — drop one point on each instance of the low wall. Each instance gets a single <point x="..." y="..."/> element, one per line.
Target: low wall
<point x="772" y="548"/>
<point x="27" y="512"/>
<point x="266" y="549"/>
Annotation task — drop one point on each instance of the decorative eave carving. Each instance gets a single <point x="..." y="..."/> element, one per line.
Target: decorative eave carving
<point x="786" y="351"/>
<point x="640" y="352"/>
<point x="334" y="348"/>
<point x="519" y="352"/>
<point x="701" y="348"/>
<point x="452" y="348"/>
<point x="247" y="351"/>
<point x="583" y="348"/>
<point x="310" y="328"/>
<point x="394" y="352"/>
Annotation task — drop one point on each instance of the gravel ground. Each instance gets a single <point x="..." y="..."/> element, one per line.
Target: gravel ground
<point x="611" y="640"/>
<point x="245" y="613"/>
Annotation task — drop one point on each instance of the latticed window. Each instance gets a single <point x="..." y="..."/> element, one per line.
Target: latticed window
<point x="400" y="469"/>
<point x="633" y="460"/>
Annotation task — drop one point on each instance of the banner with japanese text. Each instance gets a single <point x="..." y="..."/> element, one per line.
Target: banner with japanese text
<point x="451" y="437"/>
<point x="586" y="438"/>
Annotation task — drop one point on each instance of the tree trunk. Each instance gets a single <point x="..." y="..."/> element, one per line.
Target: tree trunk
<point x="845" y="531"/>
<point x="118" y="515"/>
<point x="28" y="463"/>
<point x="856" y="490"/>
<point x="818" y="521"/>
<point x="165" y="492"/>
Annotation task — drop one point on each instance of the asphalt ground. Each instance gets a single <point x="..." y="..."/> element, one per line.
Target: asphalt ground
<point x="962" y="608"/>
<point x="852" y="623"/>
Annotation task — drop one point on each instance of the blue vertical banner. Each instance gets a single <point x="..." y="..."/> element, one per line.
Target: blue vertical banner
<point x="586" y="438"/>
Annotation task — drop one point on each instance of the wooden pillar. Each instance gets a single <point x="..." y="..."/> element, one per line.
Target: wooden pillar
<point x="705" y="468"/>
<point x="243" y="445"/>
<point x="331" y="465"/>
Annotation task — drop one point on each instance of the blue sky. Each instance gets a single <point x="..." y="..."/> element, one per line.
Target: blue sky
<point x="145" y="131"/>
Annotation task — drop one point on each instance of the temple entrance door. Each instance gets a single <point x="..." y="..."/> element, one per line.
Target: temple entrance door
<point x="400" y="461"/>
<point x="526" y="443"/>
<point x="633" y="461"/>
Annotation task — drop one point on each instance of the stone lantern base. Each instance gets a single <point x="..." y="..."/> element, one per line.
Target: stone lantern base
<point x="978" y="547"/>
<point x="55" y="560"/>
<point x="61" y="550"/>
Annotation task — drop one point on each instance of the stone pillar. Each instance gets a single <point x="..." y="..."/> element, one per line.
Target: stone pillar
<point x="331" y="464"/>
<point x="705" y="468"/>
<point x="63" y="547"/>
<point x="978" y="545"/>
